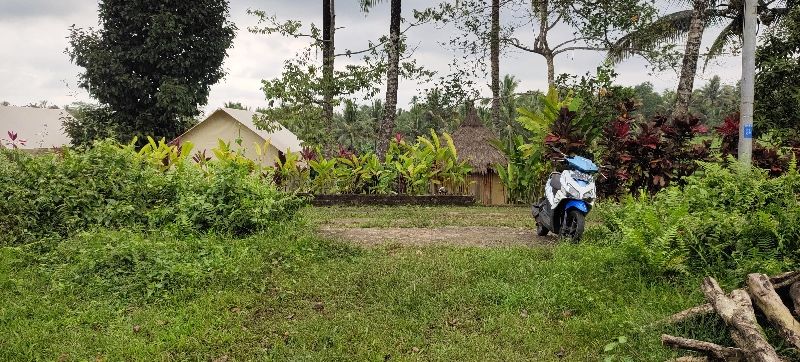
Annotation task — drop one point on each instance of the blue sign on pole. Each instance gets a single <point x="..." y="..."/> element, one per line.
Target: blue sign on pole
<point x="748" y="131"/>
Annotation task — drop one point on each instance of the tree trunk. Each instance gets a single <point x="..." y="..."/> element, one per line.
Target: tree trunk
<point x="328" y="52"/>
<point x="392" y="73"/>
<point x="540" y="44"/>
<point x="495" y="45"/>
<point x="737" y="312"/>
<point x="690" y="55"/>
<point x="772" y="306"/>
<point x="551" y="70"/>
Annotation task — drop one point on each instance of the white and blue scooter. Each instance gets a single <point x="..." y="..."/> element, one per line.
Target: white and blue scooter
<point x="568" y="197"/>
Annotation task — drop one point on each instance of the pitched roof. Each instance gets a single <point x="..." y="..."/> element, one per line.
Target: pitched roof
<point x="280" y="137"/>
<point x="40" y="127"/>
<point x="473" y="142"/>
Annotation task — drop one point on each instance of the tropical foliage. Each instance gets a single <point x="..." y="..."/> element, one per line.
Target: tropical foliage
<point x="415" y="168"/>
<point x="117" y="186"/>
<point x="725" y="221"/>
<point x="777" y="75"/>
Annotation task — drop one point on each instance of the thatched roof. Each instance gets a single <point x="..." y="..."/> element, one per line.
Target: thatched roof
<point x="472" y="140"/>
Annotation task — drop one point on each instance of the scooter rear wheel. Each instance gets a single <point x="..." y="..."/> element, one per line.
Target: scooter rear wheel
<point x="573" y="226"/>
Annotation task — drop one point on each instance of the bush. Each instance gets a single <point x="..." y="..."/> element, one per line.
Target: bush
<point x="649" y="155"/>
<point x="115" y="186"/>
<point x="726" y="221"/>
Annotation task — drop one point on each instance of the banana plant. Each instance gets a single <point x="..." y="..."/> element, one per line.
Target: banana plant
<point x="325" y="177"/>
<point x="224" y="153"/>
<point x="290" y="173"/>
<point x="379" y="178"/>
<point x="164" y="155"/>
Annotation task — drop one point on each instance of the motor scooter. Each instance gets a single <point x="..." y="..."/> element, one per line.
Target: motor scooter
<point x="568" y="196"/>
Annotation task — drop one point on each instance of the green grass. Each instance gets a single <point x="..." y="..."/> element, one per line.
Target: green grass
<point x="286" y="295"/>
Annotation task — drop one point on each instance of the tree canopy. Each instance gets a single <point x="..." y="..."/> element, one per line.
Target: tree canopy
<point x="153" y="61"/>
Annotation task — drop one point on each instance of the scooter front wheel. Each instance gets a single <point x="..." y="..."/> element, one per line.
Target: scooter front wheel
<point x="573" y="225"/>
<point x="541" y="230"/>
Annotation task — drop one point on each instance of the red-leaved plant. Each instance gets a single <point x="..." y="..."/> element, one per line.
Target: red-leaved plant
<point x="13" y="140"/>
<point x="649" y="155"/>
<point x="767" y="158"/>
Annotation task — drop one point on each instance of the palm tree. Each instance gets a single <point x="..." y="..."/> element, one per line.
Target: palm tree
<point x="495" y="55"/>
<point x="691" y="23"/>
<point x="386" y="128"/>
<point x="328" y="57"/>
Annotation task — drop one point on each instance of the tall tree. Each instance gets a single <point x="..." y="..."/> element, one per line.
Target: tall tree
<point x="697" y="24"/>
<point x="777" y="75"/>
<point x="495" y="54"/>
<point x="591" y="24"/>
<point x="656" y="41"/>
<point x="594" y="25"/>
<point x="153" y="61"/>
<point x="394" y="48"/>
<point x="328" y="60"/>
<point x="305" y="94"/>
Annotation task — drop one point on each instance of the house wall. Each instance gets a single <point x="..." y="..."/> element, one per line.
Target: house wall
<point x="487" y="189"/>
<point x="218" y="126"/>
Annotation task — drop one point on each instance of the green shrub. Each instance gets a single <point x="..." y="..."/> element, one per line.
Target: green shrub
<point x="726" y="221"/>
<point x="115" y="186"/>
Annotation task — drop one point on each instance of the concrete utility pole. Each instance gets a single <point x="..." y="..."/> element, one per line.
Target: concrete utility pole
<point x="748" y="82"/>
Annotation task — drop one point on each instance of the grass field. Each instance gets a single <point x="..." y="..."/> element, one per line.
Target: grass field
<point x="288" y="294"/>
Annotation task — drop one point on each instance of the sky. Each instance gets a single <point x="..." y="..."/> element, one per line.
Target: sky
<point x="34" y="66"/>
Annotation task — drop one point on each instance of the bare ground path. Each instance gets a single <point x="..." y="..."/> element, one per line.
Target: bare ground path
<point x="485" y="236"/>
<point x="429" y="226"/>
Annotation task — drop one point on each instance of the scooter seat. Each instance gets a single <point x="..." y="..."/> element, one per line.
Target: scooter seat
<point x="555" y="181"/>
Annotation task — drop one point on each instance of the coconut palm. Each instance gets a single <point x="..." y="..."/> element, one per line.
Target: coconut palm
<point x="386" y="128"/>
<point x="691" y="23"/>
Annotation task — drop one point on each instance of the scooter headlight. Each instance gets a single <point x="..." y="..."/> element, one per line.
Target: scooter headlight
<point x="573" y="192"/>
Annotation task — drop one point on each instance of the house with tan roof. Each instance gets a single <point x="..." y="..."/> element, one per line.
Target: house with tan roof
<point x="237" y="128"/>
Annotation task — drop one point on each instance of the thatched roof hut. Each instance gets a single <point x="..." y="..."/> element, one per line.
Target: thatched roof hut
<point x="473" y="142"/>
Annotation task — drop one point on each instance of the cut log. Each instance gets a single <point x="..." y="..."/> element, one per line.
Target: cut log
<point x="785" y="279"/>
<point x="690" y="313"/>
<point x="794" y="292"/>
<point x="765" y="297"/>
<point x="737" y="312"/>
<point x="715" y="351"/>
<point x="779" y="281"/>
<point x="690" y="359"/>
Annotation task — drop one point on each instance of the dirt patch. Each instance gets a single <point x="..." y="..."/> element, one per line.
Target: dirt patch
<point x="449" y="235"/>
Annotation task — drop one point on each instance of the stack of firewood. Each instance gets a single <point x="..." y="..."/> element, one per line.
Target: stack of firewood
<point x="763" y="295"/>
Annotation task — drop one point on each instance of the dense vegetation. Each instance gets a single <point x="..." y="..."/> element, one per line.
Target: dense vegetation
<point x="113" y="186"/>
<point x="725" y="221"/>
<point x="418" y="168"/>
<point x="116" y="251"/>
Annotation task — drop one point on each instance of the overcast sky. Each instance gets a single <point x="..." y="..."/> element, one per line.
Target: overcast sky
<point x="33" y="37"/>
